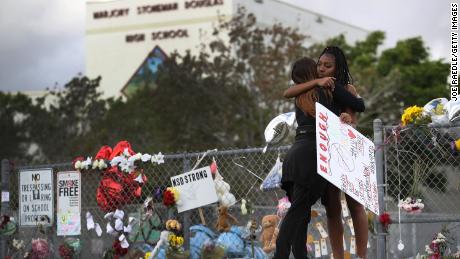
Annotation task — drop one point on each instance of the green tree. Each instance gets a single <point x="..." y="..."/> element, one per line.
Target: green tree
<point x="398" y="77"/>
<point x="14" y="112"/>
<point x="61" y="121"/>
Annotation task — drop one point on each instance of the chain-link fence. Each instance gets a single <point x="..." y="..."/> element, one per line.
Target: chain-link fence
<point x="422" y="162"/>
<point x="418" y="162"/>
<point x="243" y="170"/>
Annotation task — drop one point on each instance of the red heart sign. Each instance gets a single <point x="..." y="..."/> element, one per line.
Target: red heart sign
<point x="351" y="134"/>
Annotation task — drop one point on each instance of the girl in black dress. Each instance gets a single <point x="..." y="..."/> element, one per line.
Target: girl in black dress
<point x="303" y="185"/>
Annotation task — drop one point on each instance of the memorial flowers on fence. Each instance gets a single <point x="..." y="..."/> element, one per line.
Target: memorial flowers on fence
<point x="414" y="115"/>
<point x="411" y="205"/>
<point x="70" y="248"/>
<point x="438" y="246"/>
<point x="170" y="197"/>
<point x="385" y="220"/>
<point x="122" y="175"/>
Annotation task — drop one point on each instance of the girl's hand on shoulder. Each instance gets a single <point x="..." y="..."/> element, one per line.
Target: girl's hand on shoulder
<point x="326" y="82"/>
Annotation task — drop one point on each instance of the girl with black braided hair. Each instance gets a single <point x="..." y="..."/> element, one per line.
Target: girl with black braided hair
<point x="332" y="65"/>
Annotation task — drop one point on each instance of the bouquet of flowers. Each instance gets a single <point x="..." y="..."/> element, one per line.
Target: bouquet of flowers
<point x="411" y="205"/>
<point x="414" y="115"/>
<point x="437" y="248"/>
<point x="40" y="249"/>
<point x="70" y="248"/>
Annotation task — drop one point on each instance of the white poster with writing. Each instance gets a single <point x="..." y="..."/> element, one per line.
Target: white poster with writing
<point x="196" y="189"/>
<point x="68" y="203"/>
<point x="346" y="158"/>
<point x="36" y="197"/>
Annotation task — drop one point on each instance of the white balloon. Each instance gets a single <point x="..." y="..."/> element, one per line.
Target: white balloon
<point x="453" y="110"/>
<point x="278" y="128"/>
<point x="430" y="107"/>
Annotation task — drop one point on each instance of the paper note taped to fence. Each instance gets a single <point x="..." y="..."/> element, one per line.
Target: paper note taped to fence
<point x="346" y="158"/>
<point x="196" y="189"/>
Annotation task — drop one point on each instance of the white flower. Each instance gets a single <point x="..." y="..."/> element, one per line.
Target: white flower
<point x="102" y="165"/>
<point x="146" y="157"/>
<point x="126" y="152"/>
<point x="135" y="157"/>
<point x="18" y="244"/>
<point x="139" y="179"/>
<point x="95" y="164"/>
<point x="428" y="250"/>
<point x="78" y="165"/>
<point x="127" y="166"/>
<point x="116" y="160"/>
<point x="86" y="164"/>
<point x="441" y="237"/>
<point x="158" y="158"/>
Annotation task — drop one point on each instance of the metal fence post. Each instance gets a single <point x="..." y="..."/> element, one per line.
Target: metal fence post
<point x="186" y="214"/>
<point x="378" y="141"/>
<point x="5" y="208"/>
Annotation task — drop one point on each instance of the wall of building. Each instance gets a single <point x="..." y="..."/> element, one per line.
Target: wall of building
<point x="120" y="34"/>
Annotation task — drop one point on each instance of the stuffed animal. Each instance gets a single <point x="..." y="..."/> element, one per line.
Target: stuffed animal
<point x="173" y="225"/>
<point x="269" y="232"/>
<point x="224" y="219"/>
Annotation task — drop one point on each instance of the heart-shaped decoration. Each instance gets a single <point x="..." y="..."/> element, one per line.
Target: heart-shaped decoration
<point x="351" y="134"/>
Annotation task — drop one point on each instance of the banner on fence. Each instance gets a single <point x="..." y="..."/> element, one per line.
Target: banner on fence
<point x="346" y="158"/>
<point x="36" y="197"/>
<point x="68" y="203"/>
<point x="196" y="189"/>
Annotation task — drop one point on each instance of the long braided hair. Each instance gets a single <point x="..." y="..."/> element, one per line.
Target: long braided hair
<point x="342" y="73"/>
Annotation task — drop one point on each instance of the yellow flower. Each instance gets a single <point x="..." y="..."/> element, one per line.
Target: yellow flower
<point x="147" y="255"/>
<point x="457" y="144"/>
<point x="172" y="240"/>
<point x="412" y="115"/>
<point x="180" y="241"/>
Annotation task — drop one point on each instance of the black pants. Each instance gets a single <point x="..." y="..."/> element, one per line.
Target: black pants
<point x="294" y="228"/>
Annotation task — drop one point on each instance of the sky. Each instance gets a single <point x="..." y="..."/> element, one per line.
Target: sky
<point x="42" y="43"/>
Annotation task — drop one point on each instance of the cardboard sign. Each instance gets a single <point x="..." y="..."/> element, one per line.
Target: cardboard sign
<point x="68" y="203"/>
<point x="196" y="189"/>
<point x="346" y="158"/>
<point x="36" y="197"/>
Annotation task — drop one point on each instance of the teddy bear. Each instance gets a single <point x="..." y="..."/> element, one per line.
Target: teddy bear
<point x="269" y="232"/>
<point x="224" y="219"/>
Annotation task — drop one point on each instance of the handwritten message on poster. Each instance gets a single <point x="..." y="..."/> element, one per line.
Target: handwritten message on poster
<point x="346" y="158"/>
<point x="196" y="189"/>
<point x="68" y="203"/>
<point x="35" y="197"/>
